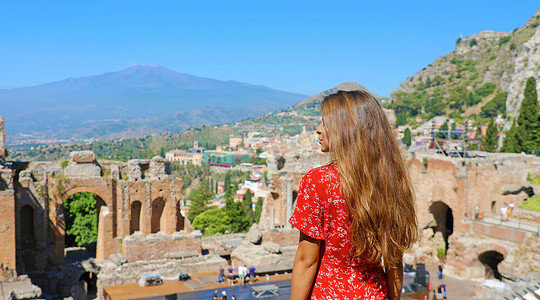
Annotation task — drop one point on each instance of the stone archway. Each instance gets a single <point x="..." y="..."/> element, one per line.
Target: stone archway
<point x="135" y="217"/>
<point x="483" y="261"/>
<point x="158" y="220"/>
<point x="491" y="259"/>
<point x="82" y="211"/>
<point x="444" y="219"/>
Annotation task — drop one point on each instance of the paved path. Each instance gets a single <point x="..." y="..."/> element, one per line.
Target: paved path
<point x="531" y="227"/>
<point x="457" y="289"/>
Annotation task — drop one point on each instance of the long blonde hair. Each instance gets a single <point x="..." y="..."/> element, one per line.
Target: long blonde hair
<point x="374" y="180"/>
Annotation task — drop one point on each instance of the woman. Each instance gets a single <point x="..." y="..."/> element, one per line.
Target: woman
<point x="356" y="215"/>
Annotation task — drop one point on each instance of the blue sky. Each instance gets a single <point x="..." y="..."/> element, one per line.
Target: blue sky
<point x="298" y="46"/>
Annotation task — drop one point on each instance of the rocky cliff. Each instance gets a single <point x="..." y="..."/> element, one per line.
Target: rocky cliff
<point x="504" y="59"/>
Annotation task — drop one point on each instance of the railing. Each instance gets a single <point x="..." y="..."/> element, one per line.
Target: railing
<point x="529" y="227"/>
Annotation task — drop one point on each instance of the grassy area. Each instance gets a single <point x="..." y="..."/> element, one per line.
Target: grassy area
<point x="535" y="180"/>
<point x="532" y="204"/>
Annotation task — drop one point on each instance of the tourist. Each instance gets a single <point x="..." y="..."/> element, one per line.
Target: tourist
<point x="233" y="297"/>
<point x="358" y="209"/>
<point x="223" y="295"/>
<point x="221" y="275"/>
<point x="241" y="274"/>
<point x="439" y="294"/>
<point x="504" y="212"/>
<point x="441" y="266"/>
<point x="216" y="296"/>
<point x="443" y="287"/>
<point x="251" y="274"/>
<point x="231" y="275"/>
<point x="245" y="273"/>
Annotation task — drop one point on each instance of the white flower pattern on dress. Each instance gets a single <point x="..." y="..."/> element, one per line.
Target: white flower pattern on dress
<point x="321" y="213"/>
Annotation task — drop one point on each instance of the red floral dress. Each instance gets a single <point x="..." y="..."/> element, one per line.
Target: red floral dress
<point x="321" y="213"/>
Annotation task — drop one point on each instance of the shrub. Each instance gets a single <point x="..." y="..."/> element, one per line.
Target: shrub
<point x="64" y="164"/>
<point x="496" y="106"/>
<point x="473" y="42"/>
<point x="441" y="253"/>
<point x="486" y="89"/>
<point x="504" y="40"/>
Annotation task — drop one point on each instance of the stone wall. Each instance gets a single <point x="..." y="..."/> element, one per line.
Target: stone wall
<point x="32" y="227"/>
<point x="7" y="229"/>
<point x="156" y="246"/>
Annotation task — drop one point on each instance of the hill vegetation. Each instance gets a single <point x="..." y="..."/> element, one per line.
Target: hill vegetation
<point x="470" y="82"/>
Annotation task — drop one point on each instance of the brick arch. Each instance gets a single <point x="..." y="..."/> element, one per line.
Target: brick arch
<point x="158" y="216"/>
<point x="27" y="221"/>
<point x="136" y="213"/>
<point x="488" y="247"/>
<point x="442" y="212"/>
<point x="82" y="189"/>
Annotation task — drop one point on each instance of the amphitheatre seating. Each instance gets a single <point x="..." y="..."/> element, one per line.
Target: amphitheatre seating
<point x="273" y="269"/>
<point x="193" y="284"/>
<point x="204" y="279"/>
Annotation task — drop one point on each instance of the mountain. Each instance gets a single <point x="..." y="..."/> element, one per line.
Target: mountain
<point x="485" y="67"/>
<point x="73" y="106"/>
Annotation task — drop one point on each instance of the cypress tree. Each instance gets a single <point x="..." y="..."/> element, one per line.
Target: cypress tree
<point x="490" y="141"/>
<point x="248" y="205"/>
<point x="528" y="122"/>
<point x="525" y="135"/>
<point x="407" y="137"/>
<point x="510" y="144"/>
<point x="443" y="131"/>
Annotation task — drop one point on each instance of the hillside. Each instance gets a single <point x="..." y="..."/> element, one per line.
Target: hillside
<point x="131" y="101"/>
<point x="483" y="65"/>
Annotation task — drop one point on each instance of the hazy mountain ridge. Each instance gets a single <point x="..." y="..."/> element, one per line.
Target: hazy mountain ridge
<point x="65" y="109"/>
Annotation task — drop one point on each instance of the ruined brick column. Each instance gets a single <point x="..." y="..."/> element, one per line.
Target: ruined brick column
<point x="2" y="139"/>
<point x="289" y="203"/>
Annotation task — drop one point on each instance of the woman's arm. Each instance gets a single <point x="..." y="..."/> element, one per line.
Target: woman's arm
<point x="305" y="266"/>
<point x="394" y="281"/>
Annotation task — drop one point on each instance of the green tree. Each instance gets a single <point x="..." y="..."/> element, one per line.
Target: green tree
<point x="199" y="200"/>
<point x="81" y="219"/>
<point x="212" y="221"/>
<point x="496" y="106"/>
<point x="406" y="137"/>
<point x="510" y="143"/>
<point x="401" y="118"/>
<point x="239" y="221"/>
<point x="258" y="209"/>
<point x="491" y="139"/>
<point x="528" y="134"/>
<point x="443" y="131"/>
<point x="248" y="206"/>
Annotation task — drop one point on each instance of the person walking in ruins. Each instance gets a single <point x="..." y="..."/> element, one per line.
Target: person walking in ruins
<point x="441" y="267"/>
<point x="251" y="274"/>
<point x="356" y="214"/>
<point x="504" y="212"/>
<point x="221" y="275"/>
<point x="231" y="275"/>
<point x="510" y="209"/>
<point x="241" y="274"/>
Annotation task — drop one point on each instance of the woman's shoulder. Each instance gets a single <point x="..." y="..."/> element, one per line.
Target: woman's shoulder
<point x="323" y="171"/>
